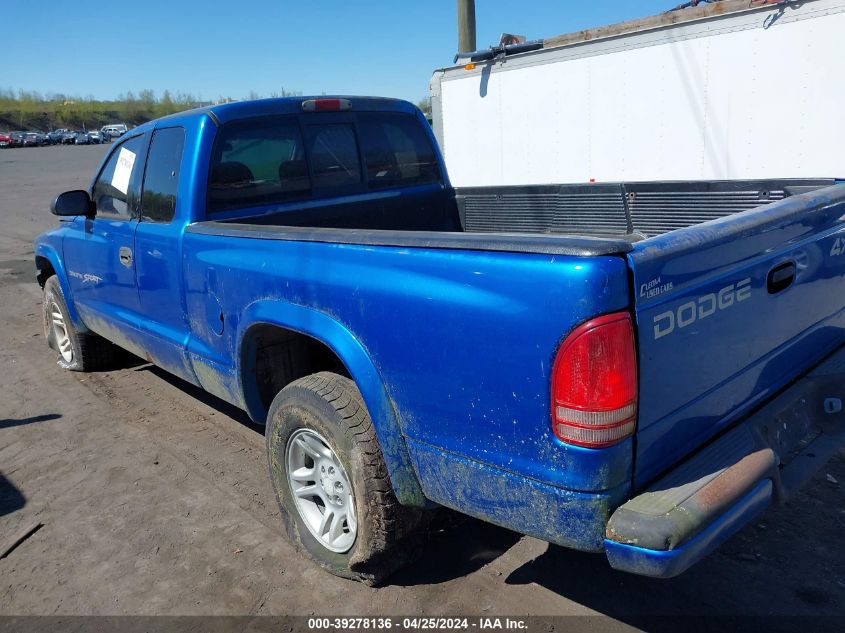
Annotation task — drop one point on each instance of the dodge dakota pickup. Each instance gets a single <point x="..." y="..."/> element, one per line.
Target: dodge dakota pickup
<point x="631" y="368"/>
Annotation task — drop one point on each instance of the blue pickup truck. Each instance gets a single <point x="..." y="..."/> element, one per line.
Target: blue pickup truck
<point x="629" y="368"/>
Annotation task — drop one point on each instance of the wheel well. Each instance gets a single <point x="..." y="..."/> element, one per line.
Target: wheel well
<point x="45" y="269"/>
<point x="273" y="357"/>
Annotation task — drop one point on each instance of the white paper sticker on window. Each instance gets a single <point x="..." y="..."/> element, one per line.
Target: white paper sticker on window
<point x="123" y="170"/>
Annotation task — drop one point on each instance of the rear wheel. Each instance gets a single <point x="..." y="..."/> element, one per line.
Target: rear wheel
<point x="77" y="351"/>
<point x="331" y="482"/>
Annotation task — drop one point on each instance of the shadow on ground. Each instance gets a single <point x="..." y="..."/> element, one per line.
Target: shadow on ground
<point x="739" y="594"/>
<point x="203" y="396"/>
<point x="11" y="499"/>
<point x="11" y="422"/>
<point x="456" y="546"/>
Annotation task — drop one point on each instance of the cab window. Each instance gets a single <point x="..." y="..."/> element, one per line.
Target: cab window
<point x="161" y="180"/>
<point x="113" y="194"/>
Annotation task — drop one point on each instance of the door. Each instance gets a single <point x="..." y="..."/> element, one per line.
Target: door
<point x="164" y="326"/>
<point x="99" y="251"/>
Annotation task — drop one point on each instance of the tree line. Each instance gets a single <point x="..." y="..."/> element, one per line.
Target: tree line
<point x="30" y="110"/>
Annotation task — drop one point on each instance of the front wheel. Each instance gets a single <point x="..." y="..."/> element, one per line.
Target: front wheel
<point x="77" y="351"/>
<point x="331" y="482"/>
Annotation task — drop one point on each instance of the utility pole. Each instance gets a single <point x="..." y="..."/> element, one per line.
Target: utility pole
<point x="466" y="26"/>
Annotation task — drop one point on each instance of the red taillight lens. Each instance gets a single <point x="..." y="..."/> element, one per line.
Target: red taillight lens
<point x="594" y="383"/>
<point x="326" y="105"/>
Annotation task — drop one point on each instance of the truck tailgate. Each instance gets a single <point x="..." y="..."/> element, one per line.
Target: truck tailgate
<point x="730" y="311"/>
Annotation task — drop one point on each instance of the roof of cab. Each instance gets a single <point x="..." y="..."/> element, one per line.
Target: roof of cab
<point x="291" y="105"/>
<point x="224" y="112"/>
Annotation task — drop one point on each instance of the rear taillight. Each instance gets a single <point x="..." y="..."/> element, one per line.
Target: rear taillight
<point x="594" y="383"/>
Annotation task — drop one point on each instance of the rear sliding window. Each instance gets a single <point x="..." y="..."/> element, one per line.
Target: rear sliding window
<point x="333" y="155"/>
<point x="397" y="151"/>
<point x="272" y="160"/>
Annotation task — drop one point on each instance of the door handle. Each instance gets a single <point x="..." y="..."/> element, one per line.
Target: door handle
<point x="125" y="255"/>
<point x="780" y="277"/>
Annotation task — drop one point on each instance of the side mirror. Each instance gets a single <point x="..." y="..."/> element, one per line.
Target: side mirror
<point x="76" y="202"/>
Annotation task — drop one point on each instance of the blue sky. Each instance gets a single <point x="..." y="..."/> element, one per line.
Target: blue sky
<point x="212" y="48"/>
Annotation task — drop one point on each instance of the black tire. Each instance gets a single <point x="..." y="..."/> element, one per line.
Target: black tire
<point x="388" y="534"/>
<point x="90" y="352"/>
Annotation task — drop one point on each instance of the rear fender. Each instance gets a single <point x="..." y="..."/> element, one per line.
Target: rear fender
<point x="352" y="354"/>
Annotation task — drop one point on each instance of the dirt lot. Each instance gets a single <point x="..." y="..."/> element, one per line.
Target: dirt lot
<point x="154" y="497"/>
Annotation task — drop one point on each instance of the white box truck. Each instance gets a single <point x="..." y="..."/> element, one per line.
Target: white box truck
<point x="740" y="89"/>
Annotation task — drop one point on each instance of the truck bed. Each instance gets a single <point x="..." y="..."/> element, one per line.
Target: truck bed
<point x="631" y="211"/>
<point x="523" y="218"/>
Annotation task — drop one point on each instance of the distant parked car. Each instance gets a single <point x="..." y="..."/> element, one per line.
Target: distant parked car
<point x="56" y="136"/>
<point x="34" y="139"/>
<point x="5" y="141"/>
<point x="82" y="138"/>
<point x="95" y="136"/>
<point x="17" y="138"/>
<point x="114" y="130"/>
<point x="68" y="137"/>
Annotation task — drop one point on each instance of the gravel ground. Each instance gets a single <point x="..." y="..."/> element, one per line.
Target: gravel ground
<point x="154" y="498"/>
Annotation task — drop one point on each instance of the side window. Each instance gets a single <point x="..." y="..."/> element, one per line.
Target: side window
<point x="161" y="180"/>
<point x="112" y="194"/>
<point x="257" y="161"/>
<point x="334" y="155"/>
<point x="397" y="151"/>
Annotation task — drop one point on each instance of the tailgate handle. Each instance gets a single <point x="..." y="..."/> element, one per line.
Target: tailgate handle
<point x="780" y="277"/>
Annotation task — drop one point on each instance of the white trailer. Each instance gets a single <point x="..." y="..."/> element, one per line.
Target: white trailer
<point x="731" y="90"/>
